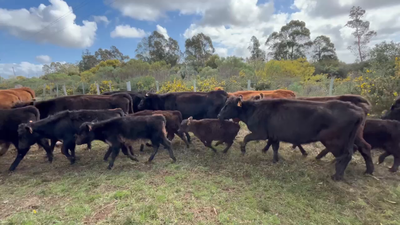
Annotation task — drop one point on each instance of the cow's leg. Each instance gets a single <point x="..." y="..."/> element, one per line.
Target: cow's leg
<point x="64" y="150"/>
<point x="248" y="138"/>
<point x="155" y="148"/>
<point x="265" y="149"/>
<point x="188" y="137"/>
<point x="228" y="146"/>
<point x="4" y="147"/>
<point x="383" y="156"/>
<point x="108" y="153"/>
<point x="396" y="164"/>
<point x="275" y="147"/>
<point x="294" y="146"/>
<point x="322" y="154"/>
<point x="141" y="147"/>
<point x="366" y="154"/>
<point x="303" y="152"/>
<point x="115" y="152"/>
<point x="89" y="146"/>
<point x="71" y="147"/>
<point x="208" y="144"/>
<point x="45" y="144"/>
<point x="341" y="164"/>
<point x="181" y="136"/>
<point x="128" y="152"/>
<point x="170" y="135"/>
<point x="21" y="154"/>
<point x="167" y="145"/>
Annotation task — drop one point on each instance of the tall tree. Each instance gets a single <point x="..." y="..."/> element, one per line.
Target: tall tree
<point x="383" y="57"/>
<point x="157" y="48"/>
<point x="88" y="61"/>
<point x="291" y="42"/>
<point x="113" y="53"/>
<point x="64" y="68"/>
<point x="323" y="49"/>
<point x="198" y="49"/>
<point x="361" y="33"/>
<point x="257" y="54"/>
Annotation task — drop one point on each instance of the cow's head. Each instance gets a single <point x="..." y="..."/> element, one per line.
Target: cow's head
<point x="85" y="134"/>
<point x="231" y="109"/>
<point x="26" y="135"/>
<point x="151" y="102"/>
<point x="185" y="125"/>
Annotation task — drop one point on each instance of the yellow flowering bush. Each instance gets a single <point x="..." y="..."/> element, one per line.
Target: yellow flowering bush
<point x="202" y="85"/>
<point x="103" y="87"/>
<point x="177" y="85"/>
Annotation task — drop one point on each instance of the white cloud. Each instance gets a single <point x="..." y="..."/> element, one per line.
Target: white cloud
<point x="126" y="31"/>
<point x="43" y="59"/>
<point x="152" y="10"/>
<point x="53" y="24"/>
<point x="25" y="69"/>
<point x="162" y="31"/>
<point x="232" y="25"/>
<point x="222" y="52"/>
<point x="101" y="19"/>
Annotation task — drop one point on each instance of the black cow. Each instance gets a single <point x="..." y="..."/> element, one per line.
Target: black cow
<point x="10" y="119"/>
<point x="62" y="126"/>
<point x="382" y="134"/>
<point x="392" y="114"/>
<point x="199" y="105"/>
<point x="137" y="97"/>
<point x="333" y="123"/>
<point x="78" y="102"/>
<point x="119" y="132"/>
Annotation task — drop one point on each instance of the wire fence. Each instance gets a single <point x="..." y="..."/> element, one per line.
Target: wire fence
<point x="51" y="90"/>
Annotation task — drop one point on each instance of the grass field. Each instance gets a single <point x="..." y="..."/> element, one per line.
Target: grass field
<point x="200" y="188"/>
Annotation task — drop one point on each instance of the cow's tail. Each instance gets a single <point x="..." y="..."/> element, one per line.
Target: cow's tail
<point x="349" y="146"/>
<point x="130" y="102"/>
<point x="30" y="91"/>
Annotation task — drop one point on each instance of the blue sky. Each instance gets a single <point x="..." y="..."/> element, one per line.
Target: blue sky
<point x="28" y="39"/>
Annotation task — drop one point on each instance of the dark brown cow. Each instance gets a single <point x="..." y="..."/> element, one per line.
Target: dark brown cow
<point x="208" y="130"/>
<point x="120" y="132"/>
<point x="78" y="102"/>
<point x="174" y="119"/>
<point x="333" y="123"/>
<point x="381" y="134"/>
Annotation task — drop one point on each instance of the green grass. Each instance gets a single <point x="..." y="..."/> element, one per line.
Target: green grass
<point x="200" y="188"/>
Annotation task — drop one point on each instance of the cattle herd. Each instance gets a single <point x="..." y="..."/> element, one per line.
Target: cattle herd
<point x="120" y="118"/>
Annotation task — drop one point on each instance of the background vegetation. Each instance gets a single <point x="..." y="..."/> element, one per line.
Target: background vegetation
<point x="292" y="61"/>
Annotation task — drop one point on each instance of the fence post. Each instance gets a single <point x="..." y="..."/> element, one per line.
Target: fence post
<point x="98" y="88"/>
<point x="83" y="88"/>
<point x="57" y="89"/>
<point x="109" y="85"/>
<point x="44" y="90"/>
<point x="128" y="86"/>
<point x="248" y="84"/>
<point x="157" y="86"/>
<point x="194" y="85"/>
<point x="65" y="90"/>
<point x="331" y="86"/>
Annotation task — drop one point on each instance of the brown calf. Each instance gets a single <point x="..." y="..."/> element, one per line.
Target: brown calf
<point x="208" y="130"/>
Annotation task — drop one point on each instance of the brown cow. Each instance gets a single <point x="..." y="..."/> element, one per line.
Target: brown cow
<point x="8" y="99"/>
<point x="247" y="95"/>
<point x="24" y="94"/>
<point x="208" y="130"/>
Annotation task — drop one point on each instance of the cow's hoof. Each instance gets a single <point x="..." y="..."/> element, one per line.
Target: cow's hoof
<point x="392" y="170"/>
<point x="275" y="160"/>
<point x="173" y="159"/>
<point x="109" y="167"/>
<point x="336" y="177"/>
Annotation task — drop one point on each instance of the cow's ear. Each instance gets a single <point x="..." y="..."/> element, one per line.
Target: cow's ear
<point x="261" y="95"/>
<point x="239" y="102"/>
<point x="89" y="127"/>
<point x="28" y="128"/>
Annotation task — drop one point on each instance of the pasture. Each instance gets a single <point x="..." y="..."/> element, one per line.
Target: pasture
<point x="200" y="188"/>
